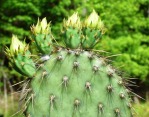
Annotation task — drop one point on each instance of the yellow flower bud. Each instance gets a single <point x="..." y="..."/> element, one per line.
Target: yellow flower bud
<point x="44" y="24"/>
<point x="16" y="45"/>
<point x="37" y="28"/>
<point x="92" y="20"/>
<point x="73" y="21"/>
<point x="41" y="27"/>
<point x="101" y="26"/>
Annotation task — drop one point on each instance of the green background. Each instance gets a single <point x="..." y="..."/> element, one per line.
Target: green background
<point x="127" y="36"/>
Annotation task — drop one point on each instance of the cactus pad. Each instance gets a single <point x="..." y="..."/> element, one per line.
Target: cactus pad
<point x="76" y="83"/>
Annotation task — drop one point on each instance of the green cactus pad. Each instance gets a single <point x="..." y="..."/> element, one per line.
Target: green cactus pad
<point x="77" y="84"/>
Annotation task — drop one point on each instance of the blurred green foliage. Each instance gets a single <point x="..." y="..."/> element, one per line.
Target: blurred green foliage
<point x="127" y="22"/>
<point x="142" y="109"/>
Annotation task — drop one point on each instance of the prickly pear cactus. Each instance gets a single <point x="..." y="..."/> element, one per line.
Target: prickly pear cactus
<point x="70" y="80"/>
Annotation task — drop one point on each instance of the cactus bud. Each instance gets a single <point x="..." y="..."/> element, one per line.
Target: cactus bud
<point x="93" y="29"/>
<point x="20" y="57"/>
<point x="37" y="28"/>
<point x="72" y="31"/>
<point x="42" y="27"/>
<point x="44" y="24"/>
<point x="16" y="46"/>
<point x="73" y="21"/>
<point x="92" y="20"/>
<point x="42" y="33"/>
<point x="101" y="27"/>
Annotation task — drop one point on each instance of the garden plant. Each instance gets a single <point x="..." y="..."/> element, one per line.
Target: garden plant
<point x="69" y="78"/>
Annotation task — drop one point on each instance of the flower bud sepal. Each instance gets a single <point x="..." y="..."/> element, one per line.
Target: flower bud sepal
<point x="42" y="36"/>
<point x="20" y="57"/>
<point x="91" y="37"/>
<point x="71" y="32"/>
<point x="72" y="37"/>
<point x="43" y="43"/>
<point x="24" y="64"/>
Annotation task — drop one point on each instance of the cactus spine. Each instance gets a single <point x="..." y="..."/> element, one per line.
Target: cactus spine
<point x="70" y="81"/>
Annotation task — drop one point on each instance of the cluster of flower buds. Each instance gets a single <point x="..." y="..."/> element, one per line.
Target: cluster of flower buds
<point x="86" y="34"/>
<point x="93" y="22"/>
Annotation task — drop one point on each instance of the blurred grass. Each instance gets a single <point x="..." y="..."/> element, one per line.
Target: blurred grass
<point x="9" y="107"/>
<point x="142" y="109"/>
